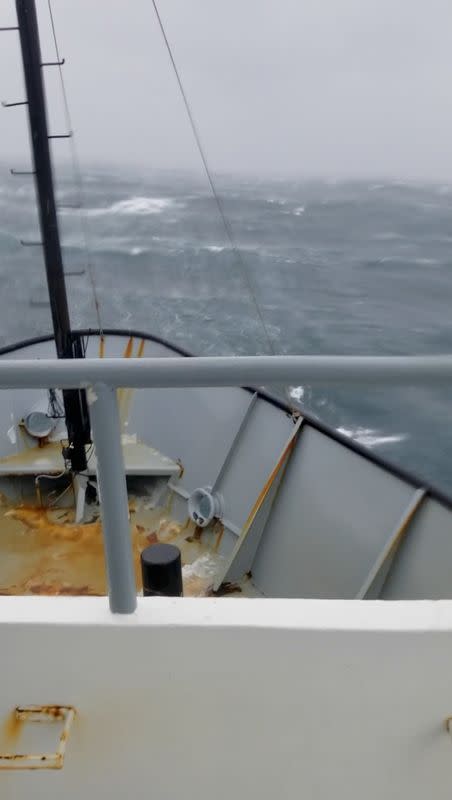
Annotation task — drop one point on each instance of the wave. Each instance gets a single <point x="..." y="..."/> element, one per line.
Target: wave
<point x="137" y="251"/>
<point x="276" y="201"/>
<point x="214" y="248"/>
<point x="369" y="437"/>
<point x="387" y="236"/>
<point x="426" y="261"/>
<point x="299" y="211"/>
<point x="296" y="393"/>
<point x="133" y="206"/>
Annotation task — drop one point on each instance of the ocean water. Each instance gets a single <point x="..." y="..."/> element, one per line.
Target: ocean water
<point x="361" y="267"/>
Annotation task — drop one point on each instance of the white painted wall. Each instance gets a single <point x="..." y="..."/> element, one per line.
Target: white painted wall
<point x="215" y="699"/>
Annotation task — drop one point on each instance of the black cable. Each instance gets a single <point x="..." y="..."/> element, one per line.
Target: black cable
<point x="218" y="202"/>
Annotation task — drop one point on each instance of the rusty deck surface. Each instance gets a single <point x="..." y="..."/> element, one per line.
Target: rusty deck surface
<point x="44" y="553"/>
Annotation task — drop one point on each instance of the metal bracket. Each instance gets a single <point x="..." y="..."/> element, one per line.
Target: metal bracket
<point x="242" y="556"/>
<point x="373" y="585"/>
<point x="243" y="423"/>
<point x="19" y="761"/>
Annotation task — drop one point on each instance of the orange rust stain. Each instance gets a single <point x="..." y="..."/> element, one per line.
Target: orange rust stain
<point x="45" y="553"/>
<point x="269" y="482"/>
<point x="27" y="456"/>
<point x="37" y="519"/>
<point x="54" y="558"/>
<point x="101" y="347"/>
<point x="57" y="590"/>
<point x="220" y="531"/>
<point x="11" y="728"/>
<point x="196" y="535"/>
<point x="57" y="712"/>
<point x="225" y="589"/>
<point x="140" y="350"/>
<point x="128" y="352"/>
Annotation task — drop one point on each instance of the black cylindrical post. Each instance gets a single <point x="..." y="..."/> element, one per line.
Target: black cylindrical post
<point x="74" y="401"/>
<point x="161" y="569"/>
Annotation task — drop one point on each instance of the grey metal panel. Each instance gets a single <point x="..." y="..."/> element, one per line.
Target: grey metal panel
<point x="422" y="567"/>
<point x="16" y="403"/>
<point x="333" y="514"/>
<point x="197" y="426"/>
<point x="193" y="425"/>
<point x="253" y="459"/>
<point x="114" y="347"/>
<point x="241" y="559"/>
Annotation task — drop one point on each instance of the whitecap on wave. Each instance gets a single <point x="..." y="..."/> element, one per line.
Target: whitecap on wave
<point x="276" y="201"/>
<point x="296" y="393"/>
<point x="133" y="206"/>
<point x="387" y="236"/>
<point x="369" y="437"/>
<point x="426" y="261"/>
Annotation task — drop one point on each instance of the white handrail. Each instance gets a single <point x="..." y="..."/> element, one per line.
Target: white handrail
<point x="224" y="371"/>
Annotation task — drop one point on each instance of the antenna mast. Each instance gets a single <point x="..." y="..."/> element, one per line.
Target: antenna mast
<point x="68" y="345"/>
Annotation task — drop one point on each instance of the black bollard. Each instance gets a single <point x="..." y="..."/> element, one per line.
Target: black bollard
<point x="161" y="570"/>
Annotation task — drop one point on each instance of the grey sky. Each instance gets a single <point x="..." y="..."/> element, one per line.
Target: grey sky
<point x="316" y="87"/>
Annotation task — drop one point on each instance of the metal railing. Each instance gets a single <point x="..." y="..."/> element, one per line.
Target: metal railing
<point x="224" y="371"/>
<point x="101" y="377"/>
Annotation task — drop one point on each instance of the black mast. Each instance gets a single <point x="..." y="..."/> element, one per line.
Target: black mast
<point x="67" y="344"/>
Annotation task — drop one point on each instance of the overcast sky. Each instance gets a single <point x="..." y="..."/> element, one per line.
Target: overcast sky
<point x="304" y="87"/>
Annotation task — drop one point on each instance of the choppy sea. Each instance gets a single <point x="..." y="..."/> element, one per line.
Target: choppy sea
<point x="334" y="267"/>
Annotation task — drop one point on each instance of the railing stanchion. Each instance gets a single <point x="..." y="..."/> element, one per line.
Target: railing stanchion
<point x="113" y="498"/>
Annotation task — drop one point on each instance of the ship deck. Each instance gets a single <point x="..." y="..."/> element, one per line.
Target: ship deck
<point x="43" y="551"/>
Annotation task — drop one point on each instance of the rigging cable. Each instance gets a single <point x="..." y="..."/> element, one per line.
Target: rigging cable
<point x="77" y="175"/>
<point x="225" y="221"/>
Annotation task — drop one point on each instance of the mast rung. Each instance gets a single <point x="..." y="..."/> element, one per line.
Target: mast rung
<point x="10" y="28"/>
<point x="18" y="103"/>
<point x="72" y="272"/>
<point x="60" y="135"/>
<point x="23" y="172"/>
<point x="53" y="63"/>
<point x="69" y="205"/>
<point x="39" y="303"/>
<point x="24" y="243"/>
